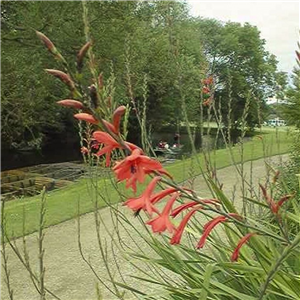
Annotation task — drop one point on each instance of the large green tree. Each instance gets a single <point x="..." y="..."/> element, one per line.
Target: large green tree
<point x="241" y="66"/>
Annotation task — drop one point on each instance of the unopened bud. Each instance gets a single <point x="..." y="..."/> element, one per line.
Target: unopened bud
<point x="50" y="46"/>
<point x="100" y="81"/>
<point x="81" y="55"/>
<point x="65" y="78"/>
<point x="71" y="103"/>
<point x="118" y="113"/>
<point x="94" y="96"/>
<point x="86" y="117"/>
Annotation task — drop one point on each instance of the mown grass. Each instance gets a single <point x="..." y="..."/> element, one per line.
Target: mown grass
<point x="62" y="204"/>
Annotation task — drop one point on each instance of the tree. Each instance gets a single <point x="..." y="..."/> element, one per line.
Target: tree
<point x="291" y="110"/>
<point x="241" y="66"/>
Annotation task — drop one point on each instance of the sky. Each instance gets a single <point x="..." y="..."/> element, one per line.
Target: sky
<point x="278" y="22"/>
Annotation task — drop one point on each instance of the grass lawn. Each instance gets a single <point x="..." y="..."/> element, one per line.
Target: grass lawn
<point x="62" y="204"/>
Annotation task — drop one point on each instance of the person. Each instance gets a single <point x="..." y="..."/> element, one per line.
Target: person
<point x="161" y="145"/>
<point x="176" y="140"/>
<point x="166" y="145"/>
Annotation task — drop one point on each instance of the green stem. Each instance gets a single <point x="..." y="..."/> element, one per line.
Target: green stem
<point x="274" y="269"/>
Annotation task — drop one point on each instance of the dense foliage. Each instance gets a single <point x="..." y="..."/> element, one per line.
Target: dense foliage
<point x="291" y="110"/>
<point x="158" y="41"/>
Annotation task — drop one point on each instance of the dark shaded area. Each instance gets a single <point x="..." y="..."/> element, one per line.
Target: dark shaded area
<point x="58" y="152"/>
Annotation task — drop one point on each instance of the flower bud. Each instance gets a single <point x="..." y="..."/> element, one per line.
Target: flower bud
<point x="86" y="117"/>
<point x="118" y="113"/>
<point x="50" y="46"/>
<point x="100" y="81"/>
<point x="81" y="55"/>
<point x="94" y="96"/>
<point x="65" y="78"/>
<point x="71" y="103"/>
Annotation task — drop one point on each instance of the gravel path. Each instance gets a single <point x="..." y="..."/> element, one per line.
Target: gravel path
<point x="68" y="276"/>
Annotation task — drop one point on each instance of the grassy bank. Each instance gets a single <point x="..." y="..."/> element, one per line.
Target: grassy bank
<point x="62" y="204"/>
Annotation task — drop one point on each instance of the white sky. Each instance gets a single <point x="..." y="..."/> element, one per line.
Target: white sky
<point x="278" y="22"/>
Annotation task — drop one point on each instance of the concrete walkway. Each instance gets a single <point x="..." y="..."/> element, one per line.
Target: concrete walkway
<point x="68" y="276"/>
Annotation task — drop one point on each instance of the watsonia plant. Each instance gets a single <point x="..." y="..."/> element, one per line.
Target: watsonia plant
<point x="220" y="266"/>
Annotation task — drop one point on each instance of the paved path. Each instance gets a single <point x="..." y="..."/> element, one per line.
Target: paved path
<point x="66" y="273"/>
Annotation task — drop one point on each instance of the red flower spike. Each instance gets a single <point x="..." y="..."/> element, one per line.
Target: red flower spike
<point x="162" y="222"/>
<point x="143" y="201"/>
<point x="272" y="204"/>
<point x="182" y="207"/>
<point x="178" y="233"/>
<point x="208" y="227"/>
<point x="65" y="78"/>
<point x="242" y="241"/>
<point x="134" y="168"/>
<point x="283" y="199"/>
<point x="118" y="113"/>
<point x="160" y="195"/>
<point x="110" y="144"/>
<point x="71" y="103"/>
<point x="86" y="117"/>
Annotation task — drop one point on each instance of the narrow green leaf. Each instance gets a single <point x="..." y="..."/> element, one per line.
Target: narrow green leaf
<point x="243" y="268"/>
<point x="127" y="287"/>
<point x="206" y="281"/>
<point x="232" y="292"/>
<point x="221" y="196"/>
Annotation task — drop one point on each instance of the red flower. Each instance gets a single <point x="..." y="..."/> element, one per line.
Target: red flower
<point x="182" y="207"/>
<point x="134" y="168"/>
<point x="207" y="102"/>
<point x="208" y="227"/>
<point x="158" y="196"/>
<point x="205" y="90"/>
<point x="110" y="144"/>
<point x="243" y="240"/>
<point x="71" y="103"/>
<point x="208" y="80"/>
<point x="272" y="204"/>
<point x="144" y="200"/>
<point x="179" y="231"/>
<point x="86" y="117"/>
<point x="162" y="222"/>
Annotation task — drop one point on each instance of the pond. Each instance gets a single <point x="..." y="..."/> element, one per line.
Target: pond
<point x="54" y="154"/>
